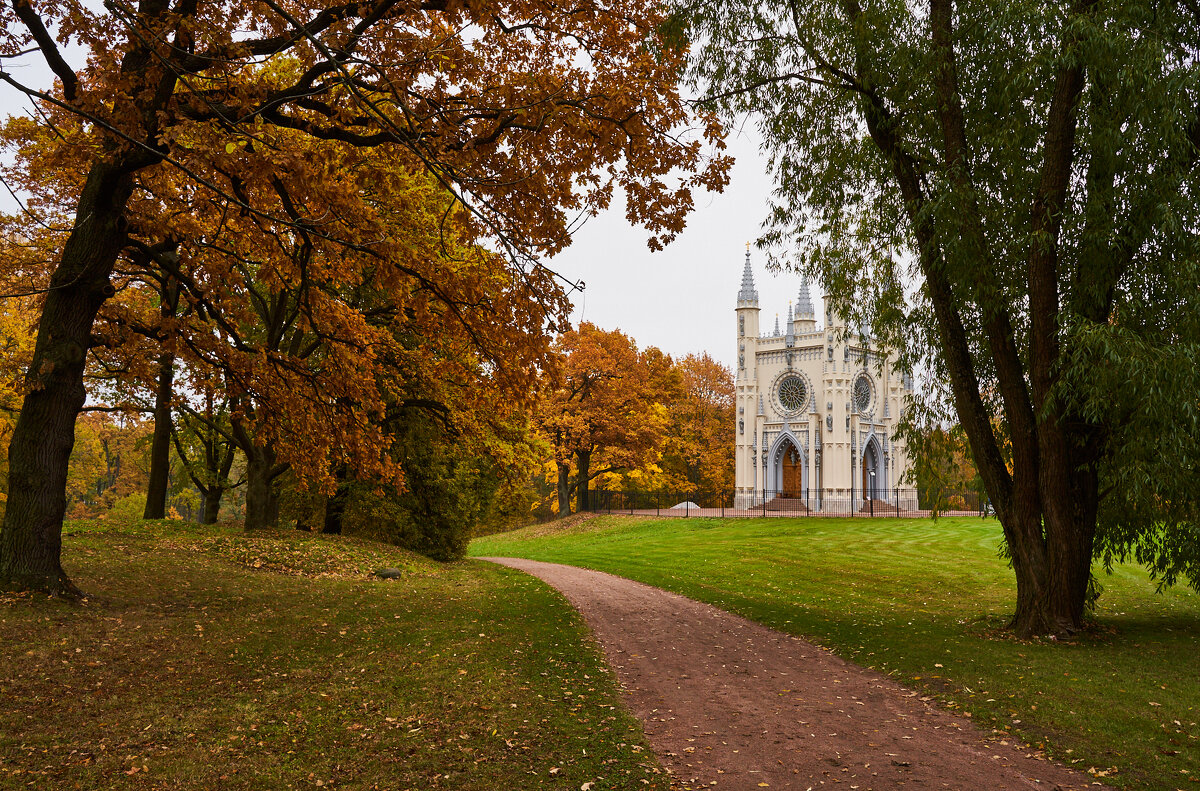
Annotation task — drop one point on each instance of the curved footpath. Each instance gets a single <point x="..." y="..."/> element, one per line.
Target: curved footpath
<point x="731" y="704"/>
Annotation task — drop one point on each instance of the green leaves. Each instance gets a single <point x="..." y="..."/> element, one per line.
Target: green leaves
<point x="1005" y="193"/>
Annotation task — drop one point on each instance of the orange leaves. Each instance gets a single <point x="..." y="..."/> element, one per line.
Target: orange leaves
<point x="518" y="106"/>
<point x="637" y="419"/>
<point x="606" y="401"/>
<point x="315" y="181"/>
<point x="699" y="448"/>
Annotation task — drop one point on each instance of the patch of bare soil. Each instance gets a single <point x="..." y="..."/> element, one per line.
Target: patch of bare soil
<point x="731" y="704"/>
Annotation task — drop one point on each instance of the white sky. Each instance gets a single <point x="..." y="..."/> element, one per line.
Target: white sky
<point x="682" y="298"/>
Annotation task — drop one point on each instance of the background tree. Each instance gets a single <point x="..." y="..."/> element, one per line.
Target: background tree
<point x="16" y="349"/>
<point x="109" y="462"/>
<point x="609" y="411"/>
<point x="205" y="446"/>
<point x="943" y="470"/>
<point x="698" y="452"/>
<point x="1036" y="164"/>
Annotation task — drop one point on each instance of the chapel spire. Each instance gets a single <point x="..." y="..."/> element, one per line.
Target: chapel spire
<point x="748" y="295"/>
<point x="804" y="306"/>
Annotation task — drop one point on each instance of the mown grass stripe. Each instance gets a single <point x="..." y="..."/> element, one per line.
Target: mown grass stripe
<point x="925" y="601"/>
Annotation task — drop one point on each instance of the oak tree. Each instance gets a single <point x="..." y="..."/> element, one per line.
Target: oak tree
<point x="607" y="411"/>
<point x="528" y="112"/>
<point x="698" y="452"/>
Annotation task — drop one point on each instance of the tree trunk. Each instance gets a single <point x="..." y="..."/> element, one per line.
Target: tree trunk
<point x="1058" y="604"/>
<point x="211" y="508"/>
<point x="583" y="463"/>
<point x="219" y="472"/>
<point x="160" y="448"/>
<point x="262" y="506"/>
<point x="564" y="489"/>
<point x="335" y="507"/>
<point x="40" y="448"/>
<point x="272" y="504"/>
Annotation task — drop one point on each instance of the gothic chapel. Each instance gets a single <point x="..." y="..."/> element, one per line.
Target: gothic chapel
<point x="816" y="411"/>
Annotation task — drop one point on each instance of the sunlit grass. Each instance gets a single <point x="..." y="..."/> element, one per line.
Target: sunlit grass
<point x="926" y="601"/>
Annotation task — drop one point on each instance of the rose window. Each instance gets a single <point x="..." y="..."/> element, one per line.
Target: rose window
<point x="862" y="394"/>
<point x="793" y="394"/>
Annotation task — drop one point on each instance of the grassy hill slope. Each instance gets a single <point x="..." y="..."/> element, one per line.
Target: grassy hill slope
<point x="207" y="659"/>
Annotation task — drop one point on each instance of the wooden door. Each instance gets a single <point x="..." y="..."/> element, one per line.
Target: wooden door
<point x="793" y="475"/>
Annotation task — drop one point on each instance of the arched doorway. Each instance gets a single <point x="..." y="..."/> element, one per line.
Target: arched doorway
<point x="872" y="471"/>
<point x="789" y="475"/>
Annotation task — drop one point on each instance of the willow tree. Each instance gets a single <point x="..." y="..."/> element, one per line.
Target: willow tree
<point x="1007" y="191"/>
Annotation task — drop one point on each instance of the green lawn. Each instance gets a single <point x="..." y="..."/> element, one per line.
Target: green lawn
<point x="205" y="659"/>
<point x="925" y="601"/>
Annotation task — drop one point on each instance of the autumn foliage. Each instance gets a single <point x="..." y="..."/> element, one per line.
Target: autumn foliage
<point x="335" y="213"/>
<point x="635" y="419"/>
<point x="605" y="408"/>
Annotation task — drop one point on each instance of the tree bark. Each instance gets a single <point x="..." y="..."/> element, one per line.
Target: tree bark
<point x="583" y="463"/>
<point x="160" y="448"/>
<point x="262" y="506"/>
<point x="335" y="506"/>
<point x="40" y="448"/>
<point x="564" y="489"/>
<point x="211" y="509"/>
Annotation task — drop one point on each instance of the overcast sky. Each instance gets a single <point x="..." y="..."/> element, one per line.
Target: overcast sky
<point x="682" y="299"/>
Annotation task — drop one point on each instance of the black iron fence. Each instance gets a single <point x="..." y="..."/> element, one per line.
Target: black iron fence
<point x="799" y="502"/>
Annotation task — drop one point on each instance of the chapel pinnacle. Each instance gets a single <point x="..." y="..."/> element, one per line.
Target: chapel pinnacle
<point x="748" y="292"/>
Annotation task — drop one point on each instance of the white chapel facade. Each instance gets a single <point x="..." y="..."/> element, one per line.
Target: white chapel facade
<point x="817" y="408"/>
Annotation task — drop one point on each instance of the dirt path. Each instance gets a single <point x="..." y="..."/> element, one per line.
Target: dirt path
<point x="730" y="704"/>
